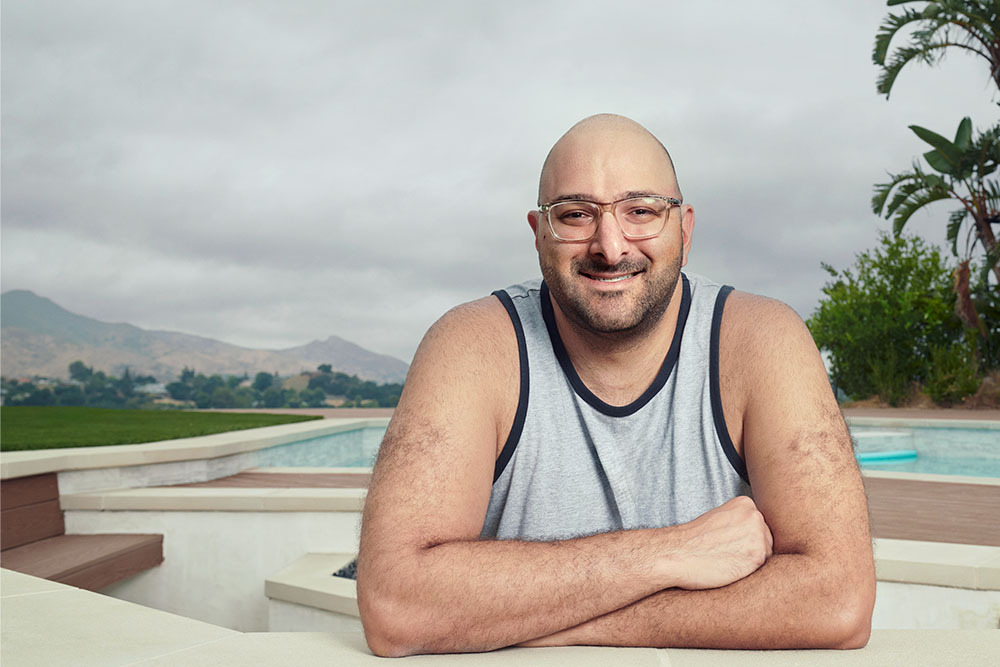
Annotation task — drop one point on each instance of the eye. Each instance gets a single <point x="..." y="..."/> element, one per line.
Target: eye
<point x="573" y="213"/>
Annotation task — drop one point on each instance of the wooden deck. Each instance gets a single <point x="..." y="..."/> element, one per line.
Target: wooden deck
<point x="32" y="540"/>
<point x="899" y="509"/>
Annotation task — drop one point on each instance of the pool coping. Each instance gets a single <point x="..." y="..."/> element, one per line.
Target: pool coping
<point x="36" y="462"/>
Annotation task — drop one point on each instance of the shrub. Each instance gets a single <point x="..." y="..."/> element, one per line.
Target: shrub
<point x="880" y="319"/>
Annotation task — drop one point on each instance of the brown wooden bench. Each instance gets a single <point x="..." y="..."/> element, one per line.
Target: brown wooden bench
<point x="33" y="540"/>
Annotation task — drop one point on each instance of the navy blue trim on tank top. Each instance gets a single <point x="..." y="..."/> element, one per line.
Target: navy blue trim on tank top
<point x="522" y="402"/>
<point x="739" y="465"/>
<point x="661" y="376"/>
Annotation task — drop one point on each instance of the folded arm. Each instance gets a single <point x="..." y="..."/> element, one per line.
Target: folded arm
<point x="426" y="583"/>
<point x="818" y="588"/>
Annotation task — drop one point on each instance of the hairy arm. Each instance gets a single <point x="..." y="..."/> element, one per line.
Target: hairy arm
<point x="426" y="583"/>
<point x="818" y="588"/>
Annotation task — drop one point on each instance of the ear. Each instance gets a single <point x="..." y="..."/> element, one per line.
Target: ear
<point x="533" y="218"/>
<point x="687" y="231"/>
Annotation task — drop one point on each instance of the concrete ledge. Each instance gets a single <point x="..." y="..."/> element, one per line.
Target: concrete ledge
<point x="22" y="464"/>
<point x="904" y="422"/>
<point x="219" y="499"/>
<point x="970" y="566"/>
<point x="309" y="582"/>
<point x="48" y="623"/>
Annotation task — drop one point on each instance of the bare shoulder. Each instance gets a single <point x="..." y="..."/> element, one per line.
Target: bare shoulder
<point x="763" y="343"/>
<point x="432" y="479"/>
<point x="469" y="353"/>
<point x="761" y="324"/>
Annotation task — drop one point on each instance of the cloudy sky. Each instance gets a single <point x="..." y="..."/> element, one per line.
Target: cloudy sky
<point x="269" y="173"/>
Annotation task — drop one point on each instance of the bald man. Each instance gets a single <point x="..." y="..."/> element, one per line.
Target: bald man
<point x="618" y="454"/>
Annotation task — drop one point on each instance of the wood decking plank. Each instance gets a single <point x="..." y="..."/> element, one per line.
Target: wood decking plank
<point x="934" y="511"/>
<point x="21" y="525"/>
<point x="86" y="561"/>
<point x="22" y="491"/>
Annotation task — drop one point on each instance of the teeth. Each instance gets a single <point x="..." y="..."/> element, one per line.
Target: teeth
<point x="614" y="280"/>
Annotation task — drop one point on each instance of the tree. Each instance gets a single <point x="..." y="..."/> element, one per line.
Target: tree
<point x="972" y="26"/>
<point x="325" y="368"/>
<point x="80" y="372"/>
<point x="263" y="381"/>
<point x="882" y="320"/>
<point x="963" y="167"/>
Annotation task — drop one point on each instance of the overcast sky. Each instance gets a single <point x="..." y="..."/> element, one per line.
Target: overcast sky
<point x="269" y="173"/>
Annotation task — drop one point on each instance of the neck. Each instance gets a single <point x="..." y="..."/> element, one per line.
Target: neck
<point x="619" y="366"/>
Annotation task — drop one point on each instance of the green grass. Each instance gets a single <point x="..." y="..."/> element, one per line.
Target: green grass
<point x="26" y="428"/>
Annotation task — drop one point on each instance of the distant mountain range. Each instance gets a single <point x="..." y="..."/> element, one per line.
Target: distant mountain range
<point x="40" y="337"/>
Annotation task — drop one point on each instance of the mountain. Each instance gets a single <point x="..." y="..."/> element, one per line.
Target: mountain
<point x="39" y="337"/>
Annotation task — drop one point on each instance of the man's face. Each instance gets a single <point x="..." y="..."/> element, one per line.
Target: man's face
<point x="611" y="284"/>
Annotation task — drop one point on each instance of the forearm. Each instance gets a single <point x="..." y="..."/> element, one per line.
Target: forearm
<point x="793" y="601"/>
<point x="482" y="595"/>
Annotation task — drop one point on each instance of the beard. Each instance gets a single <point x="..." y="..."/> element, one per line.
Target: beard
<point x="624" y="314"/>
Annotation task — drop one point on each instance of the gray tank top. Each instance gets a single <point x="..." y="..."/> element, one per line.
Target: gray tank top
<point x="574" y="465"/>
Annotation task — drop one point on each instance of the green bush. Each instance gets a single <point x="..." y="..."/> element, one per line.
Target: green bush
<point x="880" y="319"/>
<point x="953" y="372"/>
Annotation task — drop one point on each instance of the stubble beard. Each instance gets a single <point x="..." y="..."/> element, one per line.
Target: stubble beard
<point x="613" y="316"/>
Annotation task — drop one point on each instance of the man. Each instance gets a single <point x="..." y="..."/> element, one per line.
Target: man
<point x="571" y="461"/>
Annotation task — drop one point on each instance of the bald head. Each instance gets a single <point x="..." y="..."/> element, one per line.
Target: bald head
<point x="602" y="143"/>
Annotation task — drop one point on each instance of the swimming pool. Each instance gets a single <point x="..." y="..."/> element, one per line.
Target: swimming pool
<point x="942" y="449"/>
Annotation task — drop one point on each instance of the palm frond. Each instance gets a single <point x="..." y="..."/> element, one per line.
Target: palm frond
<point x="955" y="221"/>
<point x="890" y="26"/>
<point x="913" y="204"/>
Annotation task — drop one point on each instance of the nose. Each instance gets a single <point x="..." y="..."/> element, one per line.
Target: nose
<point x="609" y="242"/>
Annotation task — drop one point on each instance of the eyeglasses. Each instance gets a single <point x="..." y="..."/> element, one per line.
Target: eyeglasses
<point x="638" y="217"/>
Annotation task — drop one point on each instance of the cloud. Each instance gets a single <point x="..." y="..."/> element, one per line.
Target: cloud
<point x="269" y="173"/>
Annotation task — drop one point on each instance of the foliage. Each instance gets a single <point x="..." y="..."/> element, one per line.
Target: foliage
<point x="23" y="428"/>
<point x="965" y="25"/>
<point x="201" y="391"/>
<point x="953" y="371"/>
<point x="963" y="167"/>
<point x="880" y="319"/>
<point x="361" y="393"/>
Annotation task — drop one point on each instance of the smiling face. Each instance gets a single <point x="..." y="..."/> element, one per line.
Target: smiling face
<point x="611" y="284"/>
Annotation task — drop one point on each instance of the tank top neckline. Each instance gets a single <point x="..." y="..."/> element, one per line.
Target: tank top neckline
<point x="669" y="361"/>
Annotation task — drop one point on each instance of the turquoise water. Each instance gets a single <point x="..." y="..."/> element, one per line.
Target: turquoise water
<point x="348" y="449"/>
<point x="941" y="451"/>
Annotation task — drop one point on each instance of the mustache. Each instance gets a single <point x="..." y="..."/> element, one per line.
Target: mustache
<point x="628" y="265"/>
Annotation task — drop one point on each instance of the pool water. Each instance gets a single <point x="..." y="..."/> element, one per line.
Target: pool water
<point x="940" y="450"/>
<point x="347" y="449"/>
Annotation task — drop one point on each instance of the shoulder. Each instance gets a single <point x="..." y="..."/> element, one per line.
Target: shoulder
<point x="759" y="324"/>
<point x="467" y="363"/>
<point x="762" y="342"/>
<point x="469" y="331"/>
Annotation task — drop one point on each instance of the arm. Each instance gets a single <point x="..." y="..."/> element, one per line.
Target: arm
<point x="426" y="583"/>
<point x="818" y="588"/>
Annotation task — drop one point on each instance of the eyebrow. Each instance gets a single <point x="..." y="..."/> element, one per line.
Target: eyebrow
<point x="591" y="198"/>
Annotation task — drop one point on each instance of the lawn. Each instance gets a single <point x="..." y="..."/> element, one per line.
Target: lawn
<point x="26" y="428"/>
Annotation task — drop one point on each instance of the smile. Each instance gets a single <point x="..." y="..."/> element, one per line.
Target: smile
<point x="612" y="279"/>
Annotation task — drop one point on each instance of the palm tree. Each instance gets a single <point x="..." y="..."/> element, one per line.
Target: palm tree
<point x="970" y="25"/>
<point x="963" y="167"/>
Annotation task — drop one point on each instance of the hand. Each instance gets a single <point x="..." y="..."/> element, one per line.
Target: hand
<point x="721" y="546"/>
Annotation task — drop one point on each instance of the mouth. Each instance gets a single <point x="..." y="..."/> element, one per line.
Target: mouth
<point x="610" y="278"/>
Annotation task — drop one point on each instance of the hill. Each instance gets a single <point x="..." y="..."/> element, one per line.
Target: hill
<point x="40" y="337"/>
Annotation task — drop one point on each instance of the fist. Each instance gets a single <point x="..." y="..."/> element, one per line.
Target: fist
<point x="721" y="546"/>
